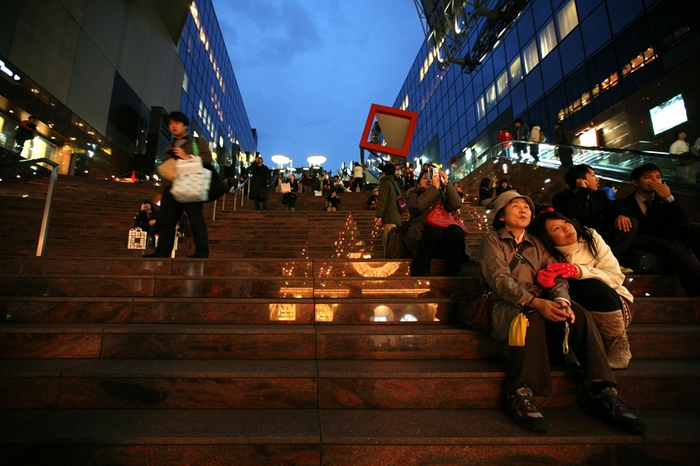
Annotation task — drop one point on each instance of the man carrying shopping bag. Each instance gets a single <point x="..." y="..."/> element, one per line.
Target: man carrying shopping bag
<point x="170" y="209"/>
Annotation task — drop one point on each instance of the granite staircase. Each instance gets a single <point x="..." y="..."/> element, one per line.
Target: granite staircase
<point x="295" y="343"/>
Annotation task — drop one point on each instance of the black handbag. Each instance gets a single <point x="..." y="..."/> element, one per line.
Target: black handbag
<point x="474" y="311"/>
<point x="395" y="247"/>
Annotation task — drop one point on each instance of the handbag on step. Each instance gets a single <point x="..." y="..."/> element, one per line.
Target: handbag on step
<point x="137" y="239"/>
<point x="439" y="217"/>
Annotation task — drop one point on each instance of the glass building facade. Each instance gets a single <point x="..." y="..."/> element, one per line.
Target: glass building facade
<point x="590" y="64"/>
<point x="210" y="94"/>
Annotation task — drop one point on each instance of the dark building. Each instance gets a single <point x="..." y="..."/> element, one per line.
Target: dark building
<point x="101" y="75"/>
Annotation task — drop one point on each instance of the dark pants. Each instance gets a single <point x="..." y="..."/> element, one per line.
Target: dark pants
<point x="529" y="364"/>
<point x="566" y="157"/>
<point x="618" y="240"/>
<point x="170" y="213"/>
<point x="440" y="244"/>
<point x="358" y="182"/>
<point x="534" y="151"/>
<point x="675" y="259"/>
<point x="257" y="202"/>
<point x="594" y="295"/>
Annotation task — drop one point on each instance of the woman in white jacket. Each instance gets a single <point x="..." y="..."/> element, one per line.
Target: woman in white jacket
<point x="595" y="279"/>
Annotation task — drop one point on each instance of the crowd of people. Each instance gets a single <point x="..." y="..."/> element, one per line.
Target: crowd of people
<point x="559" y="267"/>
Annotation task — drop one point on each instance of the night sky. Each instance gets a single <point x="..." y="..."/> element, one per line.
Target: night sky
<point x="308" y="70"/>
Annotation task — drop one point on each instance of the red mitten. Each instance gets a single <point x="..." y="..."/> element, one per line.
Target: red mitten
<point x="564" y="270"/>
<point x="546" y="278"/>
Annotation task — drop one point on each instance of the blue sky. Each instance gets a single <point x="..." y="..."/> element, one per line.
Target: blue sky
<point x="309" y="70"/>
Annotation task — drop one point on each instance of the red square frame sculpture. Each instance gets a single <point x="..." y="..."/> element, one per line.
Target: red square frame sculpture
<point x="380" y="111"/>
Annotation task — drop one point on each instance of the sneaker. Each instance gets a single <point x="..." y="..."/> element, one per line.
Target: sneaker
<point x="525" y="410"/>
<point x="613" y="410"/>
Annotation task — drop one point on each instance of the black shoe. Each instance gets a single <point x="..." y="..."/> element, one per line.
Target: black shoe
<point x="153" y="255"/>
<point x="525" y="410"/>
<point x="198" y="256"/>
<point x="613" y="410"/>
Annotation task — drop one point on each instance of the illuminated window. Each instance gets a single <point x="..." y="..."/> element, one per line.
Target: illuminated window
<point x="480" y="108"/>
<point x="426" y="64"/>
<point x="627" y="69"/>
<point x="530" y="57"/>
<point x="596" y="91"/>
<point x="185" y="80"/>
<point x="548" y="39"/>
<point x="491" y="97"/>
<point x="567" y="19"/>
<point x="516" y="72"/>
<point x="585" y="99"/>
<point x="404" y="104"/>
<point x="502" y="84"/>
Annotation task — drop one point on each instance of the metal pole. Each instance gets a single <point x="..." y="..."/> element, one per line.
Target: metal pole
<point x="43" y="233"/>
<point x="213" y="215"/>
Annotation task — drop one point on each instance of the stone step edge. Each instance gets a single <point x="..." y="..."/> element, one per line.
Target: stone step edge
<point x="320" y="328"/>
<point x="318" y="427"/>
<point x="316" y="369"/>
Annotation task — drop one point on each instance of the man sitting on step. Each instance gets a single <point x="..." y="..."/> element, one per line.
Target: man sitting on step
<point x="510" y="259"/>
<point x="663" y="226"/>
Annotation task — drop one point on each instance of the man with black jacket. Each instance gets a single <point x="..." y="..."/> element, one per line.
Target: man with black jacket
<point x="170" y="209"/>
<point x="663" y="226"/>
<point x="592" y="208"/>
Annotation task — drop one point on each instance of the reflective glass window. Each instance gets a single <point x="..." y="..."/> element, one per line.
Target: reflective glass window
<point x="502" y="84"/>
<point x="567" y="19"/>
<point x="548" y="40"/>
<point x="480" y="108"/>
<point x="530" y="57"/>
<point x="491" y="97"/>
<point x="516" y="71"/>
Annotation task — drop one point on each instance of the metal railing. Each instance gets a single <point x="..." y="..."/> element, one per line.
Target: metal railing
<point x="43" y="233"/>
<point x="679" y="171"/>
<point x="241" y="187"/>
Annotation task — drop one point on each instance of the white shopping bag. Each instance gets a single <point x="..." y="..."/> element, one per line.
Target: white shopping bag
<point x="192" y="181"/>
<point x="137" y="239"/>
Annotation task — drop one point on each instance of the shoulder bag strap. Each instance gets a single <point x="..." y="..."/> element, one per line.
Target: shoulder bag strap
<point x="518" y="257"/>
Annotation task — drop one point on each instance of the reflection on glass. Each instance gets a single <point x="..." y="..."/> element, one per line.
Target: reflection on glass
<point x="530" y="57"/>
<point x="283" y="312"/>
<point x="567" y="19"/>
<point x="382" y="314"/>
<point x="548" y="40"/>
<point x="502" y="84"/>
<point x="325" y="312"/>
<point x="516" y="73"/>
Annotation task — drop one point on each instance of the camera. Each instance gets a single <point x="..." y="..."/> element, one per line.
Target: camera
<point x="430" y="173"/>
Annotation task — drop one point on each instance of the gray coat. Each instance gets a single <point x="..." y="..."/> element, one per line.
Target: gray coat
<point x="496" y="251"/>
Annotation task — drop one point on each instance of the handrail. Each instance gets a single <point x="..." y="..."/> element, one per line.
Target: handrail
<point x="43" y="233"/>
<point x="235" y="195"/>
<point x="680" y="171"/>
<point x="243" y="185"/>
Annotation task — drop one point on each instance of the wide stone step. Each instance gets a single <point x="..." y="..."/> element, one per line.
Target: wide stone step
<point x="331" y="436"/>
<point x="22" y="309"/>
<point x="240" y="384"/>
<point x="156" y="341"/>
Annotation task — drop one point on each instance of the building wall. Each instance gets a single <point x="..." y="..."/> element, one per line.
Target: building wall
<point x="101" y="74"/>
<point x="611" y="62"/>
